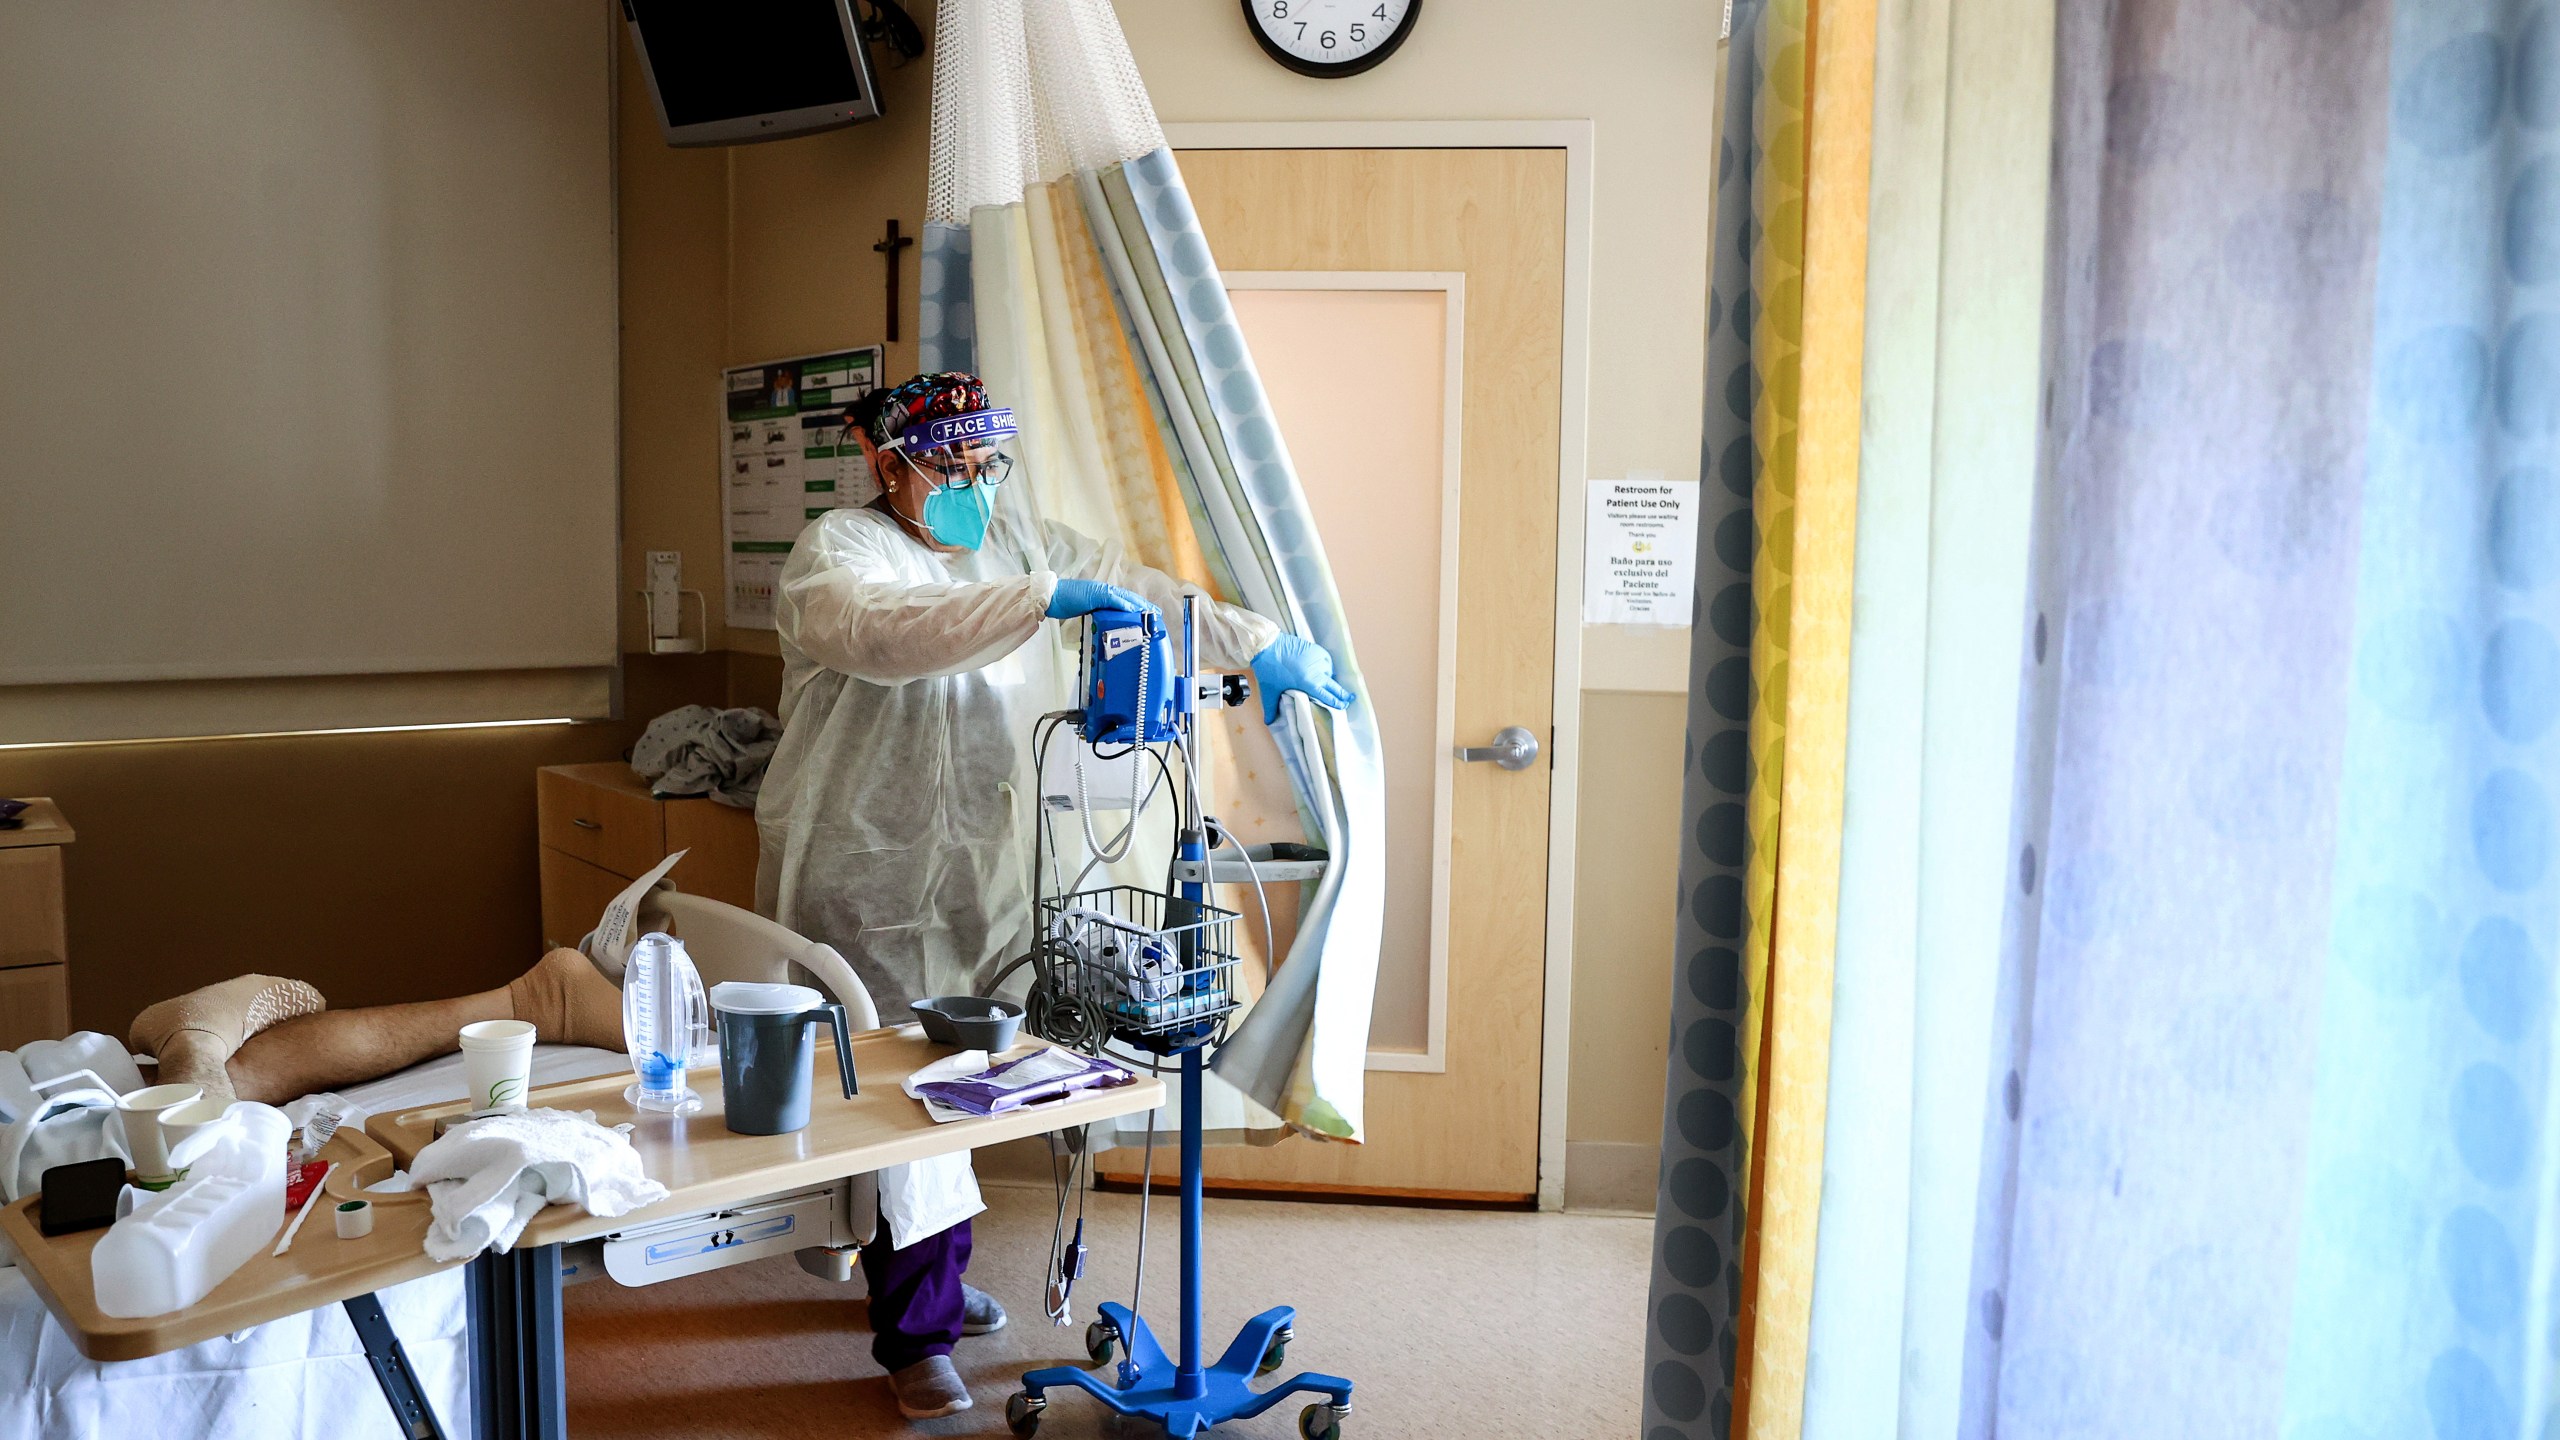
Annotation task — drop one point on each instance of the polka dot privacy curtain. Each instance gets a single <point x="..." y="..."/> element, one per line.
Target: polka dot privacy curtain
<point x="1751" y="1009"/>
<point x="1692" y="1348"/>
<point x="2277" y="1161"/>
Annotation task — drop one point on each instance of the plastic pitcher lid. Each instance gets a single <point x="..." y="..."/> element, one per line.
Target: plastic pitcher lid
<point x="747" y="997"/>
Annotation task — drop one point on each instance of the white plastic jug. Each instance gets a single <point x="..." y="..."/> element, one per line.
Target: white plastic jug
<point x="169" y="1249"/>
<point x="666" y="1022"/>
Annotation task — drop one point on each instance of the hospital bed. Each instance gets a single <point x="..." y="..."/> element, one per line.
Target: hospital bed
<point x="306" y="1377"/>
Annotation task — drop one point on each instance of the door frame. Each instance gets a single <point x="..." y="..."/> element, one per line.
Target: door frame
<point x="1575" y="138"/>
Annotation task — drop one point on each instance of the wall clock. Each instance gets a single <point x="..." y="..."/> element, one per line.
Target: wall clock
<point x="1331" y="38"/>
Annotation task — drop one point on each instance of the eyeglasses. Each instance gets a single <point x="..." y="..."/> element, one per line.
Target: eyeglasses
<point x="990" y="468"/>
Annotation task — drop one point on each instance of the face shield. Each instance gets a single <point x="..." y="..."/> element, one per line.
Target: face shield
<point x="963" y="460"/>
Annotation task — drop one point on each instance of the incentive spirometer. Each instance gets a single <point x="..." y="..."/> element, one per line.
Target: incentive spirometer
<point x="1152" y="972"/>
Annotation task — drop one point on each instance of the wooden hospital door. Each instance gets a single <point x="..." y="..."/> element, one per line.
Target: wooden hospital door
<point x="1406" y="311"/>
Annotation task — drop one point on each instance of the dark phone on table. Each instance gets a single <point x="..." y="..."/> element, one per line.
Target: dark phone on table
<point x="80" y="1197"/>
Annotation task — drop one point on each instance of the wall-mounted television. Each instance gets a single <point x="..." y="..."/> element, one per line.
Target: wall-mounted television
<point x="730" y="74"/>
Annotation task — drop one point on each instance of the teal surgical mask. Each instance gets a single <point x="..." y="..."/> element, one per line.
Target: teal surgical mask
<point x="957" y="516"/>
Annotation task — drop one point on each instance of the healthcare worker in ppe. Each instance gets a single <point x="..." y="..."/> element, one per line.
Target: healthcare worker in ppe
<point x="895" y="817"/>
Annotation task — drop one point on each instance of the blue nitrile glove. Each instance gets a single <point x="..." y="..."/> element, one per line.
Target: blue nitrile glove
<point x="1075" y="597"/>
<point x="1294" y="662"/>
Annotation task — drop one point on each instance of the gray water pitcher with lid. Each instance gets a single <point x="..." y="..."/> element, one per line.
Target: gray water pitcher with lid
<point x="765" y="1053"/>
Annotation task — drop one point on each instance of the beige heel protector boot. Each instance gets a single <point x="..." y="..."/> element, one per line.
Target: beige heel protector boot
<point x="569" y="1001"/>
<point x="194" y="1034"/>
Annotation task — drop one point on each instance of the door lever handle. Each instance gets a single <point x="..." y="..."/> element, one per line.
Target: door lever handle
<point x="1513" y="748"/>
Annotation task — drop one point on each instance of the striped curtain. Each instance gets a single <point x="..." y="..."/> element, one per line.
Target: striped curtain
<point x="1063" y="263"/>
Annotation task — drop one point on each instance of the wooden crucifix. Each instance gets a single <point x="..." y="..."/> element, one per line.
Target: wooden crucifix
<point x="889" y="247"/>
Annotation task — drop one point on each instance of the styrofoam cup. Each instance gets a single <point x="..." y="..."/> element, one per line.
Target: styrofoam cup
<point x="142" y="1132"/>
<point x="497" y="1063"/>
<point x="180" y="1121"/>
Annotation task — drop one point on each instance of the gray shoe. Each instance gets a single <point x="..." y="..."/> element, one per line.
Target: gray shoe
<point x="980" y="1313"/>
<point x="929" y="1388"/>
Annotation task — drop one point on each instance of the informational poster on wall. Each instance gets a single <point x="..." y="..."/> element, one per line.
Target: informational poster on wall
<point x="789" y="459"/>
<point x="1640" y="551"/>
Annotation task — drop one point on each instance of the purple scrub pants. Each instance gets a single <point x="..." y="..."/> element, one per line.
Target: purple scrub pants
<point x="915" y="1295"/>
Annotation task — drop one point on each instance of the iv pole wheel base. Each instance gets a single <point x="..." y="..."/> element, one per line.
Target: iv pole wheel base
<point x="1322" y="1422"/>
<point x="1022" y="1414"/>
<point x="1148" y="1388"/>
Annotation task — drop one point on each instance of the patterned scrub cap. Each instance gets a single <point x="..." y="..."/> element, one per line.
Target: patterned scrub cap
<point x="936" y="396"/>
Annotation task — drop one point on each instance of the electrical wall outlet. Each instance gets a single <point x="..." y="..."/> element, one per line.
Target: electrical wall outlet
<point x="666" y="582"/>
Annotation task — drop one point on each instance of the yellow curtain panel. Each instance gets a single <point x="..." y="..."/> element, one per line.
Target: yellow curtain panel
<point x="1810" y="200"/>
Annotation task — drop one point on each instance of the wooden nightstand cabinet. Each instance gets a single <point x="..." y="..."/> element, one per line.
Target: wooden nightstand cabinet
<point x="35" y="952"/>
<point x="601" y="829"/>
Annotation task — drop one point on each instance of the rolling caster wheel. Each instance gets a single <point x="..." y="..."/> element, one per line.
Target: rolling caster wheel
<point x="1099" y="1339"/>
<point x="1116" y="1426"/>
<point x="1022" y="1415"/>
<point x="1321" y="1422"/>
<point x="1277" y="1353"/>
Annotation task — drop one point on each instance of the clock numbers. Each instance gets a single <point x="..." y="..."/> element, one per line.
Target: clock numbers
<point x="1331" y="37"/>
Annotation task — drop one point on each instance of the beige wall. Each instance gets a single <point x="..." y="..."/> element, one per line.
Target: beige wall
<point x="673" y="207"/>
<point x="378" y="867"/>
<point x="735" y="255"/>
<point x="386" y="867"/>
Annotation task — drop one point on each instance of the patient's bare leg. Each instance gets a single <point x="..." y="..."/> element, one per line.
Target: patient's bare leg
<point x="193" y="1034"/>
<point x="568" y="1000"/>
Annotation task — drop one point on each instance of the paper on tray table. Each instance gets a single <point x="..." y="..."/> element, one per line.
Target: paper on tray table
<point x="950" y="1067"/>
<point x="609" y="944"/>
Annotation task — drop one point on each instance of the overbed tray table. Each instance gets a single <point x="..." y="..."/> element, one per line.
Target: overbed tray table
<point x="518" y="1371"/>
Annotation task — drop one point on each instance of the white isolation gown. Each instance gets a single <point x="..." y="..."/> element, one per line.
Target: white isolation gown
<point x="895" y="817"/>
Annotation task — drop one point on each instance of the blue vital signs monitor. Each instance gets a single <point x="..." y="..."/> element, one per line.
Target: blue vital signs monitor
<point x="727" y="74"/>
<point x="1125" y="659"/>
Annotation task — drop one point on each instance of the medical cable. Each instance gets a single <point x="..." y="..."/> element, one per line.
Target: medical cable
<point x="1163" y="779"/>
<point x="1048" y="729"/>
<point x="1044" y="840"/>
<point x="1043" y="730"/>
<point x="1060" y="1010"/>
<point x="1137" y="741"/>
<point x="1066" y="1257"/>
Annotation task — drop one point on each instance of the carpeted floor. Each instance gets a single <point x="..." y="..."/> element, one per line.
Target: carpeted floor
<point x="1484" y="1324"/>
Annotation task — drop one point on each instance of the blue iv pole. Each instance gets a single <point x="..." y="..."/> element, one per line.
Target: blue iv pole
<point x="1186" y="1398"/>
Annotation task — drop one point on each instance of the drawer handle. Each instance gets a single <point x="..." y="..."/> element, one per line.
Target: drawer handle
<point x="586" y="824"/>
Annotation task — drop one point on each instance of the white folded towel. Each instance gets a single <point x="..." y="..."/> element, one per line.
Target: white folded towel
<point x="486" y="1179"/>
